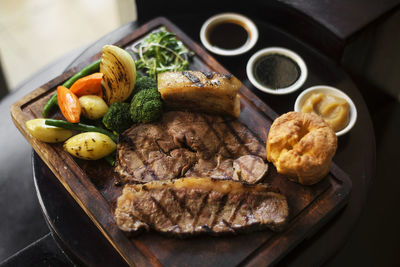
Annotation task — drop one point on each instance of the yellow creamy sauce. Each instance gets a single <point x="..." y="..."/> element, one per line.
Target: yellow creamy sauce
<point x="334" y="110"/>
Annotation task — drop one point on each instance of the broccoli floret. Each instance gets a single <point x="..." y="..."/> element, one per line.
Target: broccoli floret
<point x="144" y="83"/>
<point x="117" y="117"/>
<point x="146" y="106"/>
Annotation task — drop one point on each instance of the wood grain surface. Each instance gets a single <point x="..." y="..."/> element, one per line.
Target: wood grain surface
<point x="92" y="185"/>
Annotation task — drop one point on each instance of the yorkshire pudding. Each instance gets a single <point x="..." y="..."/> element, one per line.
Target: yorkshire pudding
<point x="301" y="146"/>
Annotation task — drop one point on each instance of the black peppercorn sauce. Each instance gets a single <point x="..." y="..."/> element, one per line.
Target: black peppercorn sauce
<point x="276" y="71"/>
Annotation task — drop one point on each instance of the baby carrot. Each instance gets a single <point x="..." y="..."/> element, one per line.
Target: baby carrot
<point x="89" y="85"/>
<point x="69" y="104"/>
<point x="92" y="67"/>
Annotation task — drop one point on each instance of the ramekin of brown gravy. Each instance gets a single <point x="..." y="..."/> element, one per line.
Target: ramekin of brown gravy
<point x="228" y="34"/>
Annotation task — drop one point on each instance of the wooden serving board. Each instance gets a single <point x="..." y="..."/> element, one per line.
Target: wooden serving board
<point x="92" y="185"/>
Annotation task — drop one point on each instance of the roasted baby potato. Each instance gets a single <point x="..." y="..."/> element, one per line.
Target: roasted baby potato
<point x="93" y="107"/>
<point x="45" y="133"/>
<point x="90" y="145"/>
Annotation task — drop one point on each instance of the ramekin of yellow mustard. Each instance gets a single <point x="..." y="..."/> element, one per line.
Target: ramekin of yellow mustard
<point x="334" y="106"/>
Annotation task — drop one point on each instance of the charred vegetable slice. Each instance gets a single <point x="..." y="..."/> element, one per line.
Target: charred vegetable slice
<point x="80" y="127"/>
<point x="89" y="85"/>
<point x="90" y="145"/>
<point x="92" y="67"/>
<point x="93" y="107"/>
<point x="69" y="104"/>
<point x="119" y="71"/>
<point x="45" y="133"/>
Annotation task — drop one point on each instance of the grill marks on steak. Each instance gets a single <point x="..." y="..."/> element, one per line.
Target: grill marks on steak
<point x="191" y="206"/>
<point x="185" y="144"/>
<point x="146" y="153"/>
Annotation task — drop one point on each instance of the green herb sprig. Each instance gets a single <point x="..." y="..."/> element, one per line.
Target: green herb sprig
<point x="161" y="51"/>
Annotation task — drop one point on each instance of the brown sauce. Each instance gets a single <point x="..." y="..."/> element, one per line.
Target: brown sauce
<point x="228" y="35"/>
<point x="276" y="71"/>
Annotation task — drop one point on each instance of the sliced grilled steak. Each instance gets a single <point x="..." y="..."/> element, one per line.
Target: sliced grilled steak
<point x="191" y="206"/>
<point x="185" y="144"/>
<point x="249" y="169"/>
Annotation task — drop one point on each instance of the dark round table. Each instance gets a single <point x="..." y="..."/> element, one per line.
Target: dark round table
<point x="84" y="243"/>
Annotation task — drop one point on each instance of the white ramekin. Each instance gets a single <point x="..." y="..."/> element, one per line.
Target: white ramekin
<point x="249" y="26"/>
<point x="333" y="91"/>
<point x="284" y="52"/>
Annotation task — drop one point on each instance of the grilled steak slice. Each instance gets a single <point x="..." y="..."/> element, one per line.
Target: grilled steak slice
<point x="249" y="169"/>
<point x="185" y="144"/>
<point x="192" y="206"/>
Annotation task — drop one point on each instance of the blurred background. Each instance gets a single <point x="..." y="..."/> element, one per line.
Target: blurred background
<point x="34" y="33"/>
